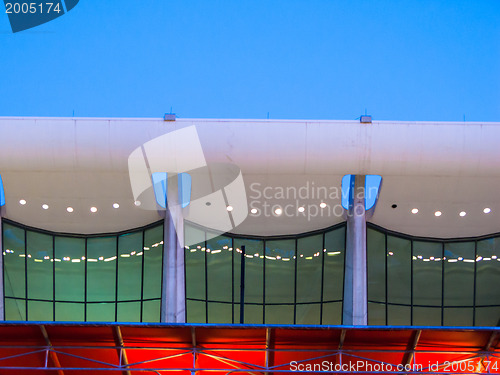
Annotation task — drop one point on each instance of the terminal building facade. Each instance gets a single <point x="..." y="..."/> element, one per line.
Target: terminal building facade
<point x="336" y="223"/>
<point x="431" y="243"/>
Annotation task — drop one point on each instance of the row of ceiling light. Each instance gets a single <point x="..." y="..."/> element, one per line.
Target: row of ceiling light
<point x="278" y="211"/>
<point x="486" y="210"/>
<point x="70" y="209"/>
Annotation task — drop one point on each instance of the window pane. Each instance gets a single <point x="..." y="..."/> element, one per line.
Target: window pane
<point x="101" y="312"/>
<point x="40" y="281"/>
<point x="15" y="309"/>
<point x="458" y="317"/>
<point x="427" y="273"/>
<point x="280" y="314"/>
<point x="151" y="311"/>
<point x="254" y="268"/>
<point x="219" y="270"/>
<point x="488" y="316"/>
<point x="236" y="313"/>
<point x="376" y="257"/>
<point x="70" y="269"/>
<point x="332" y="313"/>
<point x="254" y="314"/>
<point x="195" y="263"/>
<point x="308" y="314"/>
<point x="72" y="312"/>
<point x="129" y="312"/>
<point x="38" y="311"/>
<point x="333" y="283"/>
<point x="280" y="273"/>
<point x="376" y="314"/>
<point x="101" y="275"/>
<point x="129" y="267"/>
<point x="488" y="272"/>
<point x="14" y="261"/>
<point x="153" y="262"/>
<point x="398" y="315"/>
<point x="426" y="316"/>
<point x="459" y="274"/>
<point x="309" y="266"/>
<point x="196" y="311"/>
<point x="399" y="271"/>
<point x="220" y="312"/>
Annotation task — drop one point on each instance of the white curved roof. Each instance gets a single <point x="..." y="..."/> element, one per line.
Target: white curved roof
<point x="82" y="162"/>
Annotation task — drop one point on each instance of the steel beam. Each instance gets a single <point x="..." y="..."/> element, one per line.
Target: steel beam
<point x="491" y="344"/>
<point x="52" y="354"/>
<point x="122" y="354"/>
<point x="412" y="346"/>
<point x="269" y="354"/>
<point x="342" y="338"/>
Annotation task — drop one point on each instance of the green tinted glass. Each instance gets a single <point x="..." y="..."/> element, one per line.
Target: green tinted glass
<point x="78" y="278"/>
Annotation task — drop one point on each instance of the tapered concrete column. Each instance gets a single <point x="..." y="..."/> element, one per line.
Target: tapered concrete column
<point x="2" y="307"/>
<point x="355" y="288"/>
<point x="173" y="307"/>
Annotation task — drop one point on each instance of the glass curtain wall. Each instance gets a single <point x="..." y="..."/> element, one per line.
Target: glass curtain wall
<point x="52" y="277"/>
<point x="432" y="282"/>
<point x="287" y="280"/>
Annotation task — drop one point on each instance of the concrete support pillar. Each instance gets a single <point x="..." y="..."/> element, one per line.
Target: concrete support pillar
<point x="173" y="307"/>
<point x="355" y="283"/>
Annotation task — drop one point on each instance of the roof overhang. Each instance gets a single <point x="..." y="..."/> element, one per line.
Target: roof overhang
<point x="82" y="162"/>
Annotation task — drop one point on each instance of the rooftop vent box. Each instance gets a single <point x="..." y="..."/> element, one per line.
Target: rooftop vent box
<point x="365" y="119"/>
<point x="169" y="117"/>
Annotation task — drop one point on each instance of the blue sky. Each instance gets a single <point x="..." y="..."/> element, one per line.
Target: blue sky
<point x="294" y="59"/>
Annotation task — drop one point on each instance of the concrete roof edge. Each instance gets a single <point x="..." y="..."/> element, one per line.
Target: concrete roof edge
<point x="181" y="119"/>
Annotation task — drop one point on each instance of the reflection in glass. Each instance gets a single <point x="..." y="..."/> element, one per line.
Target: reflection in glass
<point x="280" y="272"/>
<point x="431" y="281"/>
<point x="82" y="278"/>
<point x="294" y="280"/>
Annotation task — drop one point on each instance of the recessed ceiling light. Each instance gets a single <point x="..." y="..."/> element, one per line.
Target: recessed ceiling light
<point x="69" y="209"/>
<point x="463" y="213"/>
<point x="301" y="209"/>
<point x="253" y="210"/>
<point x="45" y="206"/>
<point x="322" y="204"/>
<point x="487" y="210"/>
<point x="278" y="211"/>
<point x="229" y="208"/>
<point x="116" y="205"/>
<point x="438" y="213"/>
<point x="22" y="202"/>
<point x="414" y="211"/>
<point x="93" y="209"/>
<point x="137" y="203"/>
